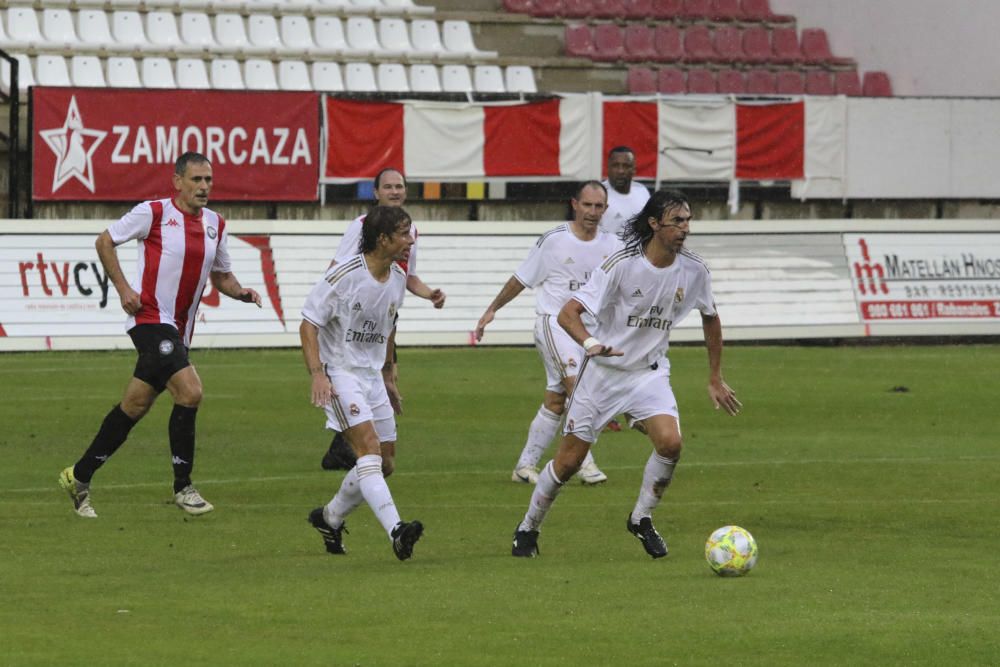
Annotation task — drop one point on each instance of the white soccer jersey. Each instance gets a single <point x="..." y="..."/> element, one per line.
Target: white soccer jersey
<point x="176" y="253"/>
<point x="560" y="264"/>
<point x="637" y="304"/>
<point x="354" y="313"/>
<point x="350" y="244"/>
<point x="622" y="207"/>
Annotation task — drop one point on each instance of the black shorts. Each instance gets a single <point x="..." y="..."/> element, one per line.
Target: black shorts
<point x="161" y="353"/>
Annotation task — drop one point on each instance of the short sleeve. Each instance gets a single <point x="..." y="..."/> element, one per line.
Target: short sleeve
<point x="534" y="269"/>
<point x="350" y="241"/>
<point x="321" y="304"/>
<point x="411" y="263"/>
<point x="222" y="262"/>
<point x="133" y="225"/>
<point x="594" y="294"/>
<point x="705" y="300"/>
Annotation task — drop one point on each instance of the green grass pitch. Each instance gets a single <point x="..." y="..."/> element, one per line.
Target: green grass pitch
<point x="875" y="511"/>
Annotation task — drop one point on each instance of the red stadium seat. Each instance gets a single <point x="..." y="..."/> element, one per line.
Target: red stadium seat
<point x="728" y="41"/>
<point x="756" y="44"/>
<point x="639" y="43"/>
<point x="847" y="82"/>
<point x="608" y="9"/>
<point x="546" y="7"/>
<point x="785" y="46"/>
<point x="819" y="82"/>
<point x="668" y="44"/>
<point x="816" y="49"/>
<point x="698" y="46"/>
<point x="760" y="10"/>
<point x="577" y="9"/>
<point x="579" y="41"/>
<point x="731" y="82"/>
<point x="641" y="81"/>
<point x="696" y="10"/>
<point x="670" y="81"/>
<point x="518" y="6"/>
<point x="609" y="43"/>
<point x="726" y="10"/>
<point x="667" y="9"/>
<point x="638" y="9"/>
<point x="790" y="82"/>
<point x="701" y="81"/>
<point x="761" y="82"/>
<point x="876" y="84"/>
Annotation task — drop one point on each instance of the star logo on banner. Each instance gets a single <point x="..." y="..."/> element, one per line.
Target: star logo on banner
<point x="74" y="147"/>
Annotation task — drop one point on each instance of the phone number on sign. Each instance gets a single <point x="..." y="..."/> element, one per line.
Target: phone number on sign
<point x="922" y="310"/>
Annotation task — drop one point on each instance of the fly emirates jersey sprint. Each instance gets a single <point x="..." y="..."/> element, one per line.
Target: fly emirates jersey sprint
<point x="177" y="251"/>
<point x="637" y="304"/>
<point x="561" y="264"/>
<point x="354" y="314"/>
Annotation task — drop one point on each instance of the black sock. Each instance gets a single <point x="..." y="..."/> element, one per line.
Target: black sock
<point x="113" y="432"/>
<point x="182" y="444"/>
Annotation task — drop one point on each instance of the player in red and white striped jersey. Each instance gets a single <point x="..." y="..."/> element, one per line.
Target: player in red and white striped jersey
<point x="182" y="244"/>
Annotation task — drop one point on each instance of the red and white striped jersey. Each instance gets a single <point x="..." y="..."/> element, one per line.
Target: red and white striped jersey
<point x="176" y="253"/>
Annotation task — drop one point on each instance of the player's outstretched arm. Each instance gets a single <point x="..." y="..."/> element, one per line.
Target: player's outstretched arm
<point x="129" y="298"/>
<point x="722" y="394"/>
<point x="322" y="392"/>
<point x="418" y="287"/>
<point x="226" y="282"/>
<point x="571" y="320"/>
<point x="511" y="289"/>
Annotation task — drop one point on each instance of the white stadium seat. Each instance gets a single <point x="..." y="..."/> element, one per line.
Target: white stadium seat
<point x="394" y="36"/>
<point x="362" y="6"/>
<point x="295" y="33"/>
<point x="361" y="78"/>
<point x="51" y="71"/>
<point x="259" y="75"/>
<point x="326" y="77"/>
<point x="191" y="73"/>
<point x="126" y="28"/>
<point x="22" y="24"/>
<point x="425" y="79"/>
<point x="488" y="79"/>
<point x="161" y="27"/>
<point x="520" y="79"/>
<point x="392" y="78"/>
<point x="424" y="36"/>
<point x="293" y="75"/>
<point x="230" y="33"/>
<point x="361" y="38"/>
<point x="57" y="26"/>
<point x="262" y="29"/>
<point x="94" y="30"/>
<point x="25" y="75"/>
<point x="330" y="36"/>
<point x="404" y="7"/>
<point x="123" y="73"/>
<point x="87" y="72"/>
<point x="197" y="31"/>
<point x="157" y="73"/>
<point x="457" y="38"/>
<point x="456" y="79"/>
<point x="226" y="74"/>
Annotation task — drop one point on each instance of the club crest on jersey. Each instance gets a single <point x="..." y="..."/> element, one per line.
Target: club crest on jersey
<point x="392" y="310"/>
<point x="166" y="347"/>
<point x="679" y="295"/>
<point x="211" y="232"/>
<point x="571" y="363"/>
<point x="356" y="307"/>
<point x="355" y="410"/>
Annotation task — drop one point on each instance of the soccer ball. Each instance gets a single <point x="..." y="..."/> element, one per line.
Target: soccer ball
<point x="731" y="551"/>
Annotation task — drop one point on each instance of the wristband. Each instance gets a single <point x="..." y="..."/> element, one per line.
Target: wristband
<point x="590" y="342"/>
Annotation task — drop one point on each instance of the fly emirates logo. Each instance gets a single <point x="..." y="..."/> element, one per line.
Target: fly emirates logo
<point x="654" y="320"/>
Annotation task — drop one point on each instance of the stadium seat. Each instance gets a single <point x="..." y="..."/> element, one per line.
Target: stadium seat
<point x="191" y="73"/>
<point x="725" y="10"/>
<point x="57" y="27"/>
<point x="394" y="36"/>
<point x="127" y="30"/>
<point x="87" y="72"/>
<point x="392" y="78"/>
<point x="93" y="29"/>
<point x="819" y="82"/>
<point x="701" y="81"/>
<point x="641" y="81"/>
<point x="196" y="31"/>
<point x="760" y="10"/>
<point x="161" y="27"/>
<point x="360" y="78"/>
<point x="362" y="40"/>
<point x="123" y="73"/>
<point x="667" y="10"/>
<point x="425" y="79"/>
<point x="728" y="42"/>
<point x="761" y="82"/>
<point x="847" y="82"/>
<point x="258" y="74"/>
<point x="731" y="82"/>
<point x="876" y="84"/>
<point x="22" y="25"/>
<point x="520" y="79"/>
<point x="696" y="10"/>
<point x="816" y="49"/>
<point x="264" y="35"/>
<point x="25" y="74"/>
<point x="456" y="79"/>
<point x="608" y="9"/>
<point x="789" y="82"/>
<point x="609" y="42"/>
<point x="232" y="37"/>
<point x="457" y="38"/>
<point x="639" y="43"/>
<point x="256" y="7"/>
<point x="756" y="44"/>
<point x="576" y="9"/>
<point x="517" y="6"/>
<point x="668" y="43"/>
<point x="331" y="5"/>
<point x="326" y="77"/>
<point x="671" y="81"/>
<point x="698" y="46"/>
<point x="296" y="35"/>
<point x="330" y="36"/>
<point x="157" y="73"/>
<point x="579" y="41"/>
<point x="546" y="8"/>
<point x="638" y="9"/>
<point x="425" y="36"/>
<point x="225" y="74"/>
<point x="407" y="7"/>
<point x="293" y="75"/>
<point x="488" y="79"/>
<point x="785" y="46"/>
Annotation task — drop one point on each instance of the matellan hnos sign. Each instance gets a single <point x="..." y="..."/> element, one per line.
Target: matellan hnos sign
<point x="921" y="277"/>
<point x="120" y="145"/>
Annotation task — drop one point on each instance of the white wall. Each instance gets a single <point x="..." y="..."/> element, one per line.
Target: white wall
<point x="928" y="47"/>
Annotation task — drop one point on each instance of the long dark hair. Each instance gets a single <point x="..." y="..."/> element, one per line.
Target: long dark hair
<point x="381" y="220"/>
<point x="636" y="233"/>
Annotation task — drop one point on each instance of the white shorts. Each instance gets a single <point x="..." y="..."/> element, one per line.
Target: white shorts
<point x="603" y="392"/>
<point x="361" y="397"/>
<point x="561" y="355"/>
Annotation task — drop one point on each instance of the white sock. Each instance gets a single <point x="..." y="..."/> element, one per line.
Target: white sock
<point x="376" y="491"/>
<point x="589" y="458"/>
<point x="542" y="497"/>
<point x="348" y="498"/>
<point x="541" y="432"/>
<point x="655" y="480"/>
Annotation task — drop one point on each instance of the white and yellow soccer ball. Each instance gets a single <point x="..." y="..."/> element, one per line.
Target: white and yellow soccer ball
<point x="731" y="551"/>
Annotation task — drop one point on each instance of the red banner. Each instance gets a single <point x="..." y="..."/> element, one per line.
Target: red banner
<point x="636" y="125"/>
<point x="120" y="145"/>
<point x="770" y="141"/>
